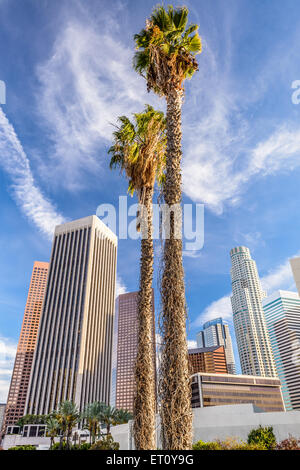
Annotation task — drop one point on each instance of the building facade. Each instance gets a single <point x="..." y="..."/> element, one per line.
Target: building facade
<point x="295" y="265"/>
<point x="2" y="413"/>
<point x="282" y="311"/>
<point x="127" y="343"/>
<point x="230" y="389"/>
<point x="27" y="342"/>
<point x="216" y="333"/>
<point x="211" y="359"/>
<point x="73" y="356"/>
<point x="251" y="331"/>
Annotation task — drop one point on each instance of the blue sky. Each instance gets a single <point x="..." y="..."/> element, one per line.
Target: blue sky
<point x="67" y="69"/>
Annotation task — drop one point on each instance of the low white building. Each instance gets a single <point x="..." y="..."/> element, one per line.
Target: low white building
<point x="220" y="422"/>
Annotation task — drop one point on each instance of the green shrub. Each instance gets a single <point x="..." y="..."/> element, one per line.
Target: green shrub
<point x="83" y="446"/>
<point x="228" y="444"/>
<point x="56" y="446"/>
<point x="106" y="443"/>
<point x="200" y="445"/>
<point x="27" y="447"/>
<point x="289" y="444"/>
<point x="263" y="436"/>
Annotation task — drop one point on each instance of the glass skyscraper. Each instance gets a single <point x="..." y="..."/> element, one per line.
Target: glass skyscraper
<point x="282" y="311"/>
<point x="216" y="333"/>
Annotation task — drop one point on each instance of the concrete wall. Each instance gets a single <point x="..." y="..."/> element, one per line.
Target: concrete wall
<point x="221" y="422"/>
<point x="17" y="440"/>
<point x="121" y="435"/>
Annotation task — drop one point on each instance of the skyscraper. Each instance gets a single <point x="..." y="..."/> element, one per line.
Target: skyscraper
<point x="216" y="333"/>
<point x="127" y="343"/>
<point x="23" y="363"/>
<point x="211" y="359"/>
<point x="282" y="310"/>
<point x="248" y="316"/>
<point x="74" y="348"/>
<point x="295" y="265"/>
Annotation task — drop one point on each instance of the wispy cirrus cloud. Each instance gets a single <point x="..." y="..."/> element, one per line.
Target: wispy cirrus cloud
<point x="225" y="147"/>
<point x="29" y="197"/>
<point x="220" y="161"/>
<point x="88" y="81"/>
<point x="84" y="86"/>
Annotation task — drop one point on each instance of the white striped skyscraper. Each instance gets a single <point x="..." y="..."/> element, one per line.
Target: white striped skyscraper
<point x="251" y="332"/>
<point x="74" y="347"/>
<point x="282" y="310"/>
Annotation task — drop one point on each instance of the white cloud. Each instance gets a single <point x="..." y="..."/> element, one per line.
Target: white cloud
<point x="88" y="81"/>
<point x="40" y="211"/>
<point x="191" y="344"/>
<point x="209" y="170"/>
<point x="84" y="86"/>
<point x="220" y="158"/>
<point x="8" y="349"/>
<point x="120" y="287"/>
<point x="27" y="194"/>
<point x="218" y="308"/>
<point x="279" y="278"/>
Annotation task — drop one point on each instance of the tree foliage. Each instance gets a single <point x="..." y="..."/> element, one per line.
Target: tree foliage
<point x="166" y="49"/>
<point x="263" y="436"/>
<point x="139" y="148"/>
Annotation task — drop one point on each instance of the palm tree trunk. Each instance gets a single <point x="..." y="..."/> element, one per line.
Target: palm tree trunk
<point x="145" y="373"/>
<point x="175" y="391"/>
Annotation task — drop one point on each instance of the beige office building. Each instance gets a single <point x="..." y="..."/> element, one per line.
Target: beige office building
<point x="74" y="348"/>
<point x="16" y="399"/>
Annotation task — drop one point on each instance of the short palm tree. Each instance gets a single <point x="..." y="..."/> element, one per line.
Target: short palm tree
<point x="123" y="416"/>
<point x="67" y="416"/>
<point x="52" y="429"/>
<point x="108" y="416"/>
<point x="139" y="150"/>
<point x="165" y="56"/>
<point x="92" y="416"/>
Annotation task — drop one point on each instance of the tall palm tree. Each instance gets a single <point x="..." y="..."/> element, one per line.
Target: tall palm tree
<point x="52" y="429"/>
<point x="67" y="416"/>
<point x="165" y="56"/>
<point x="92" y="415"/>
<point x="139" y="150"/>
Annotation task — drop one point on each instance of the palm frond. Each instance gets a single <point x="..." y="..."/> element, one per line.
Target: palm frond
<point x="139" y="148"/>
<point x="166" y="49"/>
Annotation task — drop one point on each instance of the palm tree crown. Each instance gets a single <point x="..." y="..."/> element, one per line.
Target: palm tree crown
<point x="166" y="49"/>
<point x="139" y="148"/>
